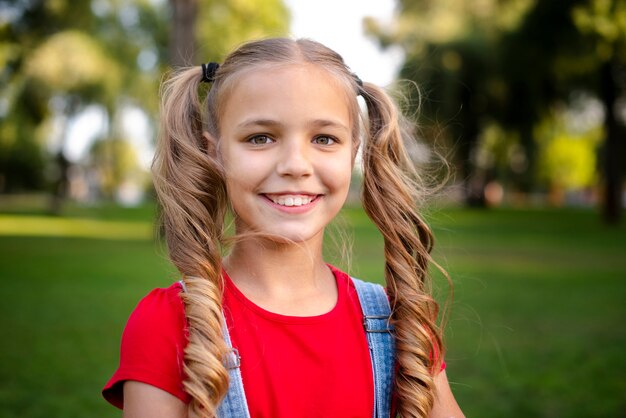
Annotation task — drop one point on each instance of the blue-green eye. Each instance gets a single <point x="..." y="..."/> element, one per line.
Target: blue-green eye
<point x="324" y="140"/>
<point x="260" y="140"/>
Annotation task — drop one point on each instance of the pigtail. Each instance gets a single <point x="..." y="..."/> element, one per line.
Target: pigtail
<point x="390" y="194"/>
<point x="192" y="193"/>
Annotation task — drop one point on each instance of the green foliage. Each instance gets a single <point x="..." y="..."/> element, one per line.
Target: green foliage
<point x="567" y="160"/>
<point x="498" y="151"/>
<point x="509" y="63"/>
<point x="108" y="53"/>
<point x="24" y="162"/>
<point x="224" y="25"/>
<point x="73" y="62"/>
<point x="114" y="160"/>
<point x="48" y="49"/>
<point x="605" y="21"/>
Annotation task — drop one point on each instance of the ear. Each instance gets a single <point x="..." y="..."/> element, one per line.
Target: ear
<point x="211" y="144"/>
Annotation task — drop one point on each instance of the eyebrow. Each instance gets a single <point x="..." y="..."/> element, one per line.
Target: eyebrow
<point x="270" y="123"/>
<point x="323" y="123"/>
<point x="260" y="122"/>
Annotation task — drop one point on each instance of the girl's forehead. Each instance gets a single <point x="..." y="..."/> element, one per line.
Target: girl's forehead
<point x="275" y="73"/>
<point x="313" y="74"/>
<point x="265" y="88"/>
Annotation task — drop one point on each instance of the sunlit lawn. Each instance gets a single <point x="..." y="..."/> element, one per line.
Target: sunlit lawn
<point x="536" y="327"/>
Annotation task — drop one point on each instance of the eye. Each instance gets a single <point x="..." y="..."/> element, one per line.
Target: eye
<point x="324" y="140"/>
<point x="260" y="140"/>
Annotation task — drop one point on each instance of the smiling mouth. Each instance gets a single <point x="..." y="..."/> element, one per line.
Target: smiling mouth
<point x="291" y="200"/>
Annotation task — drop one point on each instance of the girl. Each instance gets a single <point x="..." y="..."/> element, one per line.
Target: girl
<point x="271" y="330"/>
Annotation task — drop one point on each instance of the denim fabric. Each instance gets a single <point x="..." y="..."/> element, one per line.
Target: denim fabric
<point x="376" y="314"/>
<point x="234" y="403"/>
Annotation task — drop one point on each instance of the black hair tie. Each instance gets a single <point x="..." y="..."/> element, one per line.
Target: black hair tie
<point x="359" y="83"/>
<point x="357" y="79"/>
<point x="208" y="72"/>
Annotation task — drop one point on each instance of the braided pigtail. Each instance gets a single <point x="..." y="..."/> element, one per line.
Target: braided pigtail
<point x="192" y="193"/>
<point x="390" y="194"/>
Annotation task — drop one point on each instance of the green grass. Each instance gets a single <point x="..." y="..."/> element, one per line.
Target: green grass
<point x="537" y="324"/>
<point x="536" y="327"/>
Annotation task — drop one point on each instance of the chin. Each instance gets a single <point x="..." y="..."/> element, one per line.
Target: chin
<point x="292" y="237"/>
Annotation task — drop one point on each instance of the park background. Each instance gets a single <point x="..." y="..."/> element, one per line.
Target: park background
<point x="525" y="99"/>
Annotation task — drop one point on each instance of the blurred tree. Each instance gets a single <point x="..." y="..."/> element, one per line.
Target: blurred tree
<point x="452" y="52"/>
<point x="23" y="26"/>
<point x="56" y="57"/>
<point x="52" y="58"/>
<point x="602" y="26"/>
<point x="182" y="34"/>
<point x="509" y="62"/>
<point x="225" y="25"/>
<point x="571" y="45"/>
<point x="221" y="26"/>
<point x="22" y="159"/>
<point x="72" y="67"/>
<point x="567" y="156"/>
<point x="114" y="160"/>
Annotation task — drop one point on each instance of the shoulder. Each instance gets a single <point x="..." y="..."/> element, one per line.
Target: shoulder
<point x="353" y="282"/>
<point x="158" y="318"/>
<point x="371" y="297"/>
<point x="153" y="342"/>
<point x="167" y="297"/>
<point x="345" y="279"/>
<point x="160" y="304"/>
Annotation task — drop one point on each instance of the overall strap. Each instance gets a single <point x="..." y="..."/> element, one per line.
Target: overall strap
<point x="234" y="403"/>
<point x="376" y="314"/>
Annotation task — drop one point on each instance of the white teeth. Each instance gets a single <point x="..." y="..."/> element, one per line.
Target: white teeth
<point x="291" y="201"/>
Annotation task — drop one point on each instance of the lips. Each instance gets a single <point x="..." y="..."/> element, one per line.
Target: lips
<point x="291" y="200"/>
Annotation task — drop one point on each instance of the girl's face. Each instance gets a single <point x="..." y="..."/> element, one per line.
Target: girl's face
<point x="286" y="145"/>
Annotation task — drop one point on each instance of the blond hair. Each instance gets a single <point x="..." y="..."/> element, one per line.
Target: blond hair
<point x="191" y="189"/>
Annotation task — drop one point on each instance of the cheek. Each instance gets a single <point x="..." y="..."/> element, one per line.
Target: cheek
<point x="339" y="173"/>
<point x="238" y="186"/>
<point x="244" y="175"/>
<point x="236" y="181"/>
<point x="233" y="166"/>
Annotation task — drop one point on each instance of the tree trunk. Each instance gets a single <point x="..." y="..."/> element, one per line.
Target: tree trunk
<point x="182" y="34"/>
<point x="473" y="175"/>
<point x="612" y="208"/>
<point x="60" y="184"/>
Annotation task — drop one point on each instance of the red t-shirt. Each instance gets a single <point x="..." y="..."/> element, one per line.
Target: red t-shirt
<point x="315" y="366"/>
<point x="152" y="346"/>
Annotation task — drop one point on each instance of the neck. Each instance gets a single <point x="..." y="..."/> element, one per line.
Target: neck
<point x="284" y="278"/>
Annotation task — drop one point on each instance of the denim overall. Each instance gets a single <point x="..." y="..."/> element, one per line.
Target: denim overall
<point x="376" y="312"/>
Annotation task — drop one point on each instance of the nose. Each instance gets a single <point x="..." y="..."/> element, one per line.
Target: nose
<point x="295" y="159"/>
